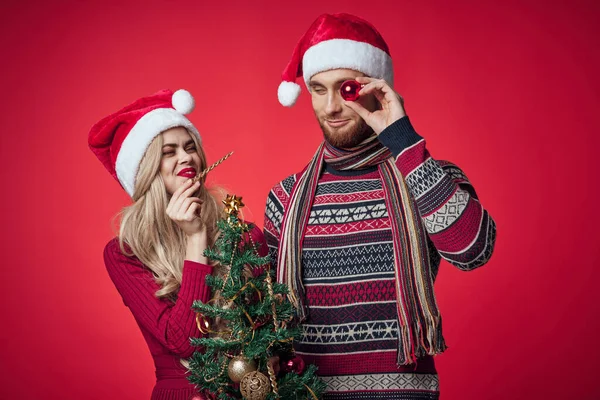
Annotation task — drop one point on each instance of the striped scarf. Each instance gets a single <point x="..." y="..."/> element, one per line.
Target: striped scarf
<point x="419" y="320"/>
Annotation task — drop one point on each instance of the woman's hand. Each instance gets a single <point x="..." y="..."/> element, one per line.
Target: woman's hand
<point x="185" y="210"/>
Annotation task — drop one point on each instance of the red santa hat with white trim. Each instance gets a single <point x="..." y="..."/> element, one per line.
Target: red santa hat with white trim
<point x="120" y="140"/>
<point x="336" y="41"/>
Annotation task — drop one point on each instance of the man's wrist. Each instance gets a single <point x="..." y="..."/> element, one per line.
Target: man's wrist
<point x="399" y="135"/>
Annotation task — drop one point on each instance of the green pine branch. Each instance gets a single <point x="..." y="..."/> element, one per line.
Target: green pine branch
<point x="244" y="315"/>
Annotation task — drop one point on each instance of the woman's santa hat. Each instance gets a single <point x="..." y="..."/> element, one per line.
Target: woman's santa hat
<point x="336" y="41"/>
<point x="120" y="140"/>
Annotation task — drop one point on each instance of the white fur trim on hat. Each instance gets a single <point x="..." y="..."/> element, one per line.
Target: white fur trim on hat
<point x="183" y="101"/>
<point x="288" y="93"/>
<point x="139" y="138"/>
<point x="350" y="54"/>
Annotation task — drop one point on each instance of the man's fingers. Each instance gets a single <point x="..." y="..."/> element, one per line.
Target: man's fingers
<point x="364" y="79"/>
<point x="379" y="96"/>
<point x="375" y="86"/>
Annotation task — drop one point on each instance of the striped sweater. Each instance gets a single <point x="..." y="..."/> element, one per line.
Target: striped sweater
<point x="348" y="265"/>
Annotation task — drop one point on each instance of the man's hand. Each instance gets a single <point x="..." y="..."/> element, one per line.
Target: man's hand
<point x="392" y="104"/>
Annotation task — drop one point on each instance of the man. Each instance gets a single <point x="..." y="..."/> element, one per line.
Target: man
<point x="359" y="233"/>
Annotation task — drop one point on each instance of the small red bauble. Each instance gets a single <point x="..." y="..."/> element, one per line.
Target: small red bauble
<point x="258" y="271"/>
<point x="295" y="364"/>
<point x="349" y="90"/>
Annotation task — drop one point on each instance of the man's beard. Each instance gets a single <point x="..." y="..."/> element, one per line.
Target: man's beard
<point x="352" y="138"/>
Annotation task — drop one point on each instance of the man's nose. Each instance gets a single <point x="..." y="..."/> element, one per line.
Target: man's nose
<point x="334" y="103"/>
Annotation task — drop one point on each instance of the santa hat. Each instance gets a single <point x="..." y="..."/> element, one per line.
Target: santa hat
<point x="120" y="140"/>
<point x="336" y="41"/>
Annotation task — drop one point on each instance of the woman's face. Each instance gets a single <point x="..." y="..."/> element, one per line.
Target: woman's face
<point x="180" y="160"/>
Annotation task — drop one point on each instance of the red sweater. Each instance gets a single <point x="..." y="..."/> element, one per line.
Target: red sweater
<point x="166" y="325"/>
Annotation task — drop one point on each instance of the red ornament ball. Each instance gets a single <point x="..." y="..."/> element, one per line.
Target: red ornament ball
<point x="295" y="364"/>
<point x="349" y="90"/>
<point x="258" y="271"/>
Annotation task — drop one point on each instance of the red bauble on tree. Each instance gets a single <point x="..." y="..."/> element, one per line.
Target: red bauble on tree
<point x="295" y="364"/>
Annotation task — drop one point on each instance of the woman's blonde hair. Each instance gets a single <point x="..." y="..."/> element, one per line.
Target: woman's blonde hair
<point x="147" y="230"/>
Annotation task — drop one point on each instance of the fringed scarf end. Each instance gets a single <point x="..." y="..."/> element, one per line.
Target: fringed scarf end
<point x="435" y="340"/>
<point x="406" y="352"/>
<point x="301" y="311"/>
<point x="417" y="342"/>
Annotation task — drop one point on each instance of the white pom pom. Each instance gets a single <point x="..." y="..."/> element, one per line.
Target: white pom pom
<point x="183" y="101"/>
<point x="288" y="93"/>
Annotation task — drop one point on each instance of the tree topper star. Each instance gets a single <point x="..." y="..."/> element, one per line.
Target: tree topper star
<point x="232" y="204"/>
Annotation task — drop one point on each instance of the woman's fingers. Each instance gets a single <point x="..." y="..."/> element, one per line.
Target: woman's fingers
<point x="194" y="211"/>
<point x="182" y="212"/>
<point x="187" y="190"/>
<point x="177" y="194"/>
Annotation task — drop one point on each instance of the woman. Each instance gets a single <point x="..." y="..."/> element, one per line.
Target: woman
<point x="157" y="262"/>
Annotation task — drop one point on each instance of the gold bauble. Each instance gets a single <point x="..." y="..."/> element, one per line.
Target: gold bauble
<point x="255" y="386"/>
<point x="240" y="366"/>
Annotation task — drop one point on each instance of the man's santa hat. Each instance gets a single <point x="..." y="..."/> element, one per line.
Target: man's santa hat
<point x="120" y="140"/>
<point x="336" y="41"/>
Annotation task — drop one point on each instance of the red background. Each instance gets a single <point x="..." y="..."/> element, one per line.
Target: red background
<point x="508" y="90"/>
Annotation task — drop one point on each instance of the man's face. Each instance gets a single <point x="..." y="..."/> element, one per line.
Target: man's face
<point x="341" y="126"/>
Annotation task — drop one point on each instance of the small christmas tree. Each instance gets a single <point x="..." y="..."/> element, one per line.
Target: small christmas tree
<point x="247" y="351"/>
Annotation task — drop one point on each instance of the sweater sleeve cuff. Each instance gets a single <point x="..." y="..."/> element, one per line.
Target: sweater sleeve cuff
<point x="399" y="136"/>
<point x="193" y="281"/>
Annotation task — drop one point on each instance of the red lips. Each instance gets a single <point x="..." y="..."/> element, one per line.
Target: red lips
<point x="187" y="173"/>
